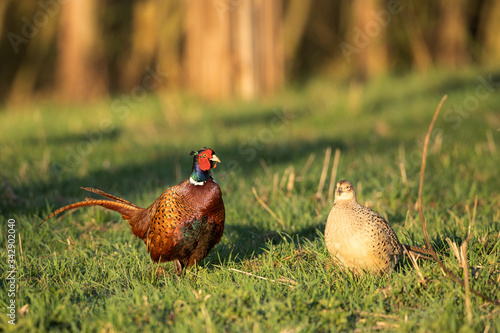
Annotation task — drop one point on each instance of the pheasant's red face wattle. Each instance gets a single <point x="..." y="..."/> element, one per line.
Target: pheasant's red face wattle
<point x="204" y="160"/>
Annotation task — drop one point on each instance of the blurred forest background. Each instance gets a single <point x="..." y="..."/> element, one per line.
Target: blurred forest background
<point x="82" y="50"/>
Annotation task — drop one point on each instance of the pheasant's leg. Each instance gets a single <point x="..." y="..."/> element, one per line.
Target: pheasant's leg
<point x="178" y="267"/>
<point x="160" y="271"/>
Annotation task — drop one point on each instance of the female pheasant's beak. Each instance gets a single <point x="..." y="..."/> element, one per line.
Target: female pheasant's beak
<point x="215" y="160"/>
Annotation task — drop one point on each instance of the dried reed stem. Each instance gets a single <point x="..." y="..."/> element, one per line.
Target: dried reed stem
<point x="291" y="181"/>
<point x="265" y="167"/>
<point x="333" y="176"/>
<point x="284" y="178"/>
<point x="322" y="179"/>
<point x="276" y="179"/>
<point x="422" y="171"/>
<point x="20" y="246"/>
<point x="414" y="263"/>
<point x="463" y="252"/>
<point x="288" y="282"/>
<point x="422" y="219"/>
<point x="306" y="167"/>
<point x="491" y="143"/>
<point x="402" y="164"/>
<point x="266" y="207"/>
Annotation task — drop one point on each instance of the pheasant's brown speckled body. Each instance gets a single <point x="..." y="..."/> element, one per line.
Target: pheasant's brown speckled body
<point x="187" y="221"/>
<point x="183" y="224"/>
<point x="360" y="238"/>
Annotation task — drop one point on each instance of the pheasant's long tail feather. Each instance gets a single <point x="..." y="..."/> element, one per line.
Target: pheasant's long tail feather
<point x="126" y="209"/>
<point x="107" y="195"/>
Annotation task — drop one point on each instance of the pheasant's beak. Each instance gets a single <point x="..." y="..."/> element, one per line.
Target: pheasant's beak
<point x="215" y="159"/>
<point x="339" y="190"/>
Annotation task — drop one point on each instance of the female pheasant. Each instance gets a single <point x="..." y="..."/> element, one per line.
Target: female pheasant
<point x="183" y="224"/>
<point x="360" y="238"/>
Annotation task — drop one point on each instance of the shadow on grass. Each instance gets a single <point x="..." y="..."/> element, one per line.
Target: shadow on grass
<point x="73" y="139"/>
<point x="251" y="241"/>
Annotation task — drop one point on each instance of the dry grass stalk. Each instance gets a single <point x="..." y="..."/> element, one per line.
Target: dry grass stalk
<point x="438" y="142"/>
<point x="456" y="252"/>
<point x="402" y="164"/>
<point x="415" y="264"/>
<point x="306" y="167"/>
<point x="455" y="217"/>
<point x="45" y="163"/>
<point x="322" y="179"/>
<point x="266" y="207"/>
<point x="474" y="210"/>
<point x="276" y="179"/>
<point x="333" y="176"/>
<point x="491" y="143"/>
<point x="422" y="219"/>
<point x="463" y="253"/>
<point x="265" y="167"/>
<point x="20" y="246"/>
<point x="284" y="178"/>
<point x="291" y="181"/>
<point x="289" y="282"/>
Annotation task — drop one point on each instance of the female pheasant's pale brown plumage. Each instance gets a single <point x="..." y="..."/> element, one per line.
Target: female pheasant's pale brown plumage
<point x="360" y="238"/>
<point x="183" y="224"/>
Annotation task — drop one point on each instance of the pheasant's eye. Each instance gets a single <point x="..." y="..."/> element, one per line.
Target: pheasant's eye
<point x="204" y="155"/>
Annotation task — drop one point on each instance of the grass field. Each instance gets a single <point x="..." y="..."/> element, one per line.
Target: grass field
<point x="87" y="272"/>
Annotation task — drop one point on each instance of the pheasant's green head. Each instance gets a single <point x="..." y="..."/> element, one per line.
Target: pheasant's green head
<point x="203" y="161"/>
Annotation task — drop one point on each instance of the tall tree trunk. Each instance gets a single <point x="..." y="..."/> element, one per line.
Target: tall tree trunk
<point x="3" y="9"/>
<point x="451" y="49"/>
<point x="489" y="28"/>
<point x="143" y="39"/>
<point x="422" y="59"/>
<point x="81" y="72"/>
<point x="234" y="48"/>
<point x="23" y="88"/>
<point x="369" y="37"/>
<point x="294" y="26"/>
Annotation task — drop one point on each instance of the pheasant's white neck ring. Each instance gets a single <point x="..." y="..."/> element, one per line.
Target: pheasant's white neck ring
<point x="194" y="182"/>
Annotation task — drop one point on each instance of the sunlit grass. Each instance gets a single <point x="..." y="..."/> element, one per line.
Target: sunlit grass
<point x="86" y="271"/>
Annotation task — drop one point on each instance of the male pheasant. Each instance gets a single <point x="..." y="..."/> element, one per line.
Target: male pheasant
<point x="359" y="237"/>
<point x="183" y="224"/>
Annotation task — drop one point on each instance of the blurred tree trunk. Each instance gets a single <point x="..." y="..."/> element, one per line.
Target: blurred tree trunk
<point x="155" y="40"/>
<point x="23" y="86"/>
<point x="171" y="32"/>
<point x="368" y="35"/>
<point x="3" y="10"/>
<point x="143" y="40"/>
<point x="294" y="26"/>
<point x="234" y="47"/>
<point x="489" y="28"/>
<point x="421" y="55"/>
<point x="156" y="35"/>
<point x="81" y="69"/>
<point x="451" y="48"/>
